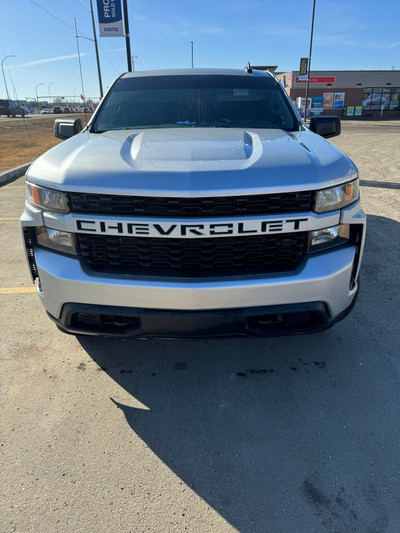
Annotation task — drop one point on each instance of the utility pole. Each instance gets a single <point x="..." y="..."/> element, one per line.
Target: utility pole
<point x="97" y="51"/>
<point x="79" y="57"/>
<point x="309" y="61"/>
<point x="127" y="38"/>
<point x="191" y="42"/>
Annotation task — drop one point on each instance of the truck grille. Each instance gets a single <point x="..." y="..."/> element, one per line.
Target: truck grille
<point x="218" y="206"/>
<point x="220" y="256"/>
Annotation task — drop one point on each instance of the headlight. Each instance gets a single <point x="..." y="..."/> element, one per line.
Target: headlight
<point x="63" y="241"/>
<point x="47" y="199"/>
<point x="328" y="237"/>
<point x="336" y="197"/>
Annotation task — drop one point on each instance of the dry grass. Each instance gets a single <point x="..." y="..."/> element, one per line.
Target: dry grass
<point x="22" y="140"/>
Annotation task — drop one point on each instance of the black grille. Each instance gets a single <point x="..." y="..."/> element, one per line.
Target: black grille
<point x="220" y="256"/>
<point x="218" y="206"/>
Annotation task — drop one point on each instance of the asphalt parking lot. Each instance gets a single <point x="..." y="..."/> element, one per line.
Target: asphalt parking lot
<point x="281" y="435"/>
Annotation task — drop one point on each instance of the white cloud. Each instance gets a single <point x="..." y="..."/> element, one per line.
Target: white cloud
<point x="46" y="60"/>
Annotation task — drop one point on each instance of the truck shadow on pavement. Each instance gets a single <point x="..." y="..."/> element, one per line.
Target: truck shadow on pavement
<point x="279" y="434"/>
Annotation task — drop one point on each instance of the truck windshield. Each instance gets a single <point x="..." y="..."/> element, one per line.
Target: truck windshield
<point x="195" y="101"/>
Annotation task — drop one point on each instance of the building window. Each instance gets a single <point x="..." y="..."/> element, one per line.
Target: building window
<point x="367" y="98"/>
<point x="394" y="99"/>
<point x="374" y="97"/>
<point x="386" y="97"/>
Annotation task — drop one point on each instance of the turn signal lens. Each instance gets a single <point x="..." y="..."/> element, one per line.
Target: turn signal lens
<point x="47" y="199"/>
<point x="336" y="197"/>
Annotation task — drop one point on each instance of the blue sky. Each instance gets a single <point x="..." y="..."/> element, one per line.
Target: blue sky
<point x="348" y="35"/>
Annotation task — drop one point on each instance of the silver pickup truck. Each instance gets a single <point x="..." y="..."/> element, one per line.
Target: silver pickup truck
<point x="196" y="203"/>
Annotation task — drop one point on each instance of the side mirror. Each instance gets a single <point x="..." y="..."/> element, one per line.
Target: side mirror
<point x="64" y="128"/>
<point x="326" y="126"/>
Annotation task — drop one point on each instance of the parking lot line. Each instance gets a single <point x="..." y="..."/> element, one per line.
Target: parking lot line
<point x="17" y="290"/>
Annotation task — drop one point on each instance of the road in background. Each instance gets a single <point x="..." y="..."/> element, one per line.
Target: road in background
<point x="289" y="434"/>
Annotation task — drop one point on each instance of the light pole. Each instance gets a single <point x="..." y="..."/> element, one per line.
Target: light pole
<point x="191" y="42"/>
<point x="37" y="98"/>
<point x="309" y="62"/>
<point x="48" y="88"/>
<point x="5" y="83"/>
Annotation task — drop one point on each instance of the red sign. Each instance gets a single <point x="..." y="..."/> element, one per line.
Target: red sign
<point x="317" y="79"/>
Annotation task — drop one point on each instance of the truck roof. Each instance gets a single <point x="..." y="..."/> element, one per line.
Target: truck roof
<point x="197" y="72"/>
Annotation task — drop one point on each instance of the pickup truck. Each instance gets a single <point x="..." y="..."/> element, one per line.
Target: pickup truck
<point x="195" y="203"/>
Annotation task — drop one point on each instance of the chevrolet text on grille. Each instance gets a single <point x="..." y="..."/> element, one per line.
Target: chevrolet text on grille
<point x="254" y="227"/>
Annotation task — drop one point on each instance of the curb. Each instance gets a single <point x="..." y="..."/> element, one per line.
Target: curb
<point x="13" y="174"/>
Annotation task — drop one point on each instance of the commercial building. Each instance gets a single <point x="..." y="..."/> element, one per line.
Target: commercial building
<point x="347" y="92"/>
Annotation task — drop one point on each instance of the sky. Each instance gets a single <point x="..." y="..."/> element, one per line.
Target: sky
<point x="226" y="33"/>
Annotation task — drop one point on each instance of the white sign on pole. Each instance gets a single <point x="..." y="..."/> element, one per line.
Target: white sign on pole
<point x="110" y="18"/>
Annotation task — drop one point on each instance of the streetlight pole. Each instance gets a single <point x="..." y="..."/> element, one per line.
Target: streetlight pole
<point x="97" y="51"/>
<point x="127" y="36"/>
<point x="309" y="61"/>
<point x="191" y="42"/>
<point x="48" y="88"/>
<point x="37" y="98"/>
<point x="5" y="83"/>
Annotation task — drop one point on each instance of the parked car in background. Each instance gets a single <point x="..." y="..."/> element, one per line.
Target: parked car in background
<point x="67" y="110"/>
<point x="57" y="110"/>
<point x="12" y="109"/>
<point x="24" y="106"/>
<point x="46" y="111"/>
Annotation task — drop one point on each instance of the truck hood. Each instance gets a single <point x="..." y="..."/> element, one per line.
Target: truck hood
<point x="192" y="162"/>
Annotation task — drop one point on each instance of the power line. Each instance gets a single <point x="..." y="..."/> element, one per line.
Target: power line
<point x="57" y="18"/>
<point x="51" y="14"/>
<point x="83" y="5"/>
<point x="109" y="60"/>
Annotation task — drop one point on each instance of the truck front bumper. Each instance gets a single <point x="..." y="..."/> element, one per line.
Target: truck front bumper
<point x="311" y="298"/>
<point x="81" y="319"/>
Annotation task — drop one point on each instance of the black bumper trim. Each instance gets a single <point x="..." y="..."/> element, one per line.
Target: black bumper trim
<point x="113" y="321"/>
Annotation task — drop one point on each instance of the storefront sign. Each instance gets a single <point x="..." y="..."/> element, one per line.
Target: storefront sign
<point x="317" y="105"/>
<point x="358" y="111"/>
<point x="338" y="101"/>
<point x="303" y="66"/>
<point x="328" y="100"/>
<point x="110" y="18"/>
<point x="316" y="79"/>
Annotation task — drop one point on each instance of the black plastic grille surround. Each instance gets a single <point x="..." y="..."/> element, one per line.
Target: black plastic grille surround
<point x="203" y="257"/>
<point x="217" y="206"/>
<point x="30" y="241"/>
